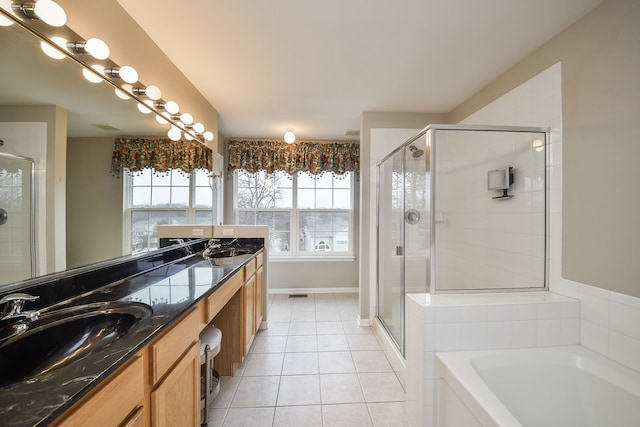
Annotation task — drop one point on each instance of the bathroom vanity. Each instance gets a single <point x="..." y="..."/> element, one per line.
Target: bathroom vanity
<point x="153" y="307"/>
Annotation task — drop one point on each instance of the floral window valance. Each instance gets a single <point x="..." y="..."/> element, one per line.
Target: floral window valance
<point x="303" y="156"/>
<point x="160" y="154"/>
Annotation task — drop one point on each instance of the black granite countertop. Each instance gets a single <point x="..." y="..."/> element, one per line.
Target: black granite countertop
<point x="170" y="288"/>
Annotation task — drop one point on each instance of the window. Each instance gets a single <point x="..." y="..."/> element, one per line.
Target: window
<point x="306" y="215"/>
<point x="153" y="199"/>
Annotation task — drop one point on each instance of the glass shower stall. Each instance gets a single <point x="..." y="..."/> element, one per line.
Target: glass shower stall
<point x="17" y="218"/>
<point x="460" y="209"/>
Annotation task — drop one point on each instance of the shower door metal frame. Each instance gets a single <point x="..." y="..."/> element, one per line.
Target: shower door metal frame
<point x="32" y="213"/>
<point x="432" y="182"/>
<point x="430" y="253"/>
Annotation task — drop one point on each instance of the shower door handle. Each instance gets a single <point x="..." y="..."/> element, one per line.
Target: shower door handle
<point x="398" y="250"/>
<point x="3" y="216"/>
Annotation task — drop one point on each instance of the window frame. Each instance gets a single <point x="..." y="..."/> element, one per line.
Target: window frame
<point x="127" y="211"/>
<point x="295" y="254"/>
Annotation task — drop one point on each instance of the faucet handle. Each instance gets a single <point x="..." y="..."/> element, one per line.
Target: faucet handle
<point x="18" y="297"/>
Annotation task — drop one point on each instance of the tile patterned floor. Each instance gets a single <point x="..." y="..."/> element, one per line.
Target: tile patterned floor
<point x="314" y="366"/>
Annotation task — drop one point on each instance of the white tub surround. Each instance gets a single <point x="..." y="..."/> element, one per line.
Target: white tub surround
<point x="559" y="386"/>
<point x="478" y="322"/>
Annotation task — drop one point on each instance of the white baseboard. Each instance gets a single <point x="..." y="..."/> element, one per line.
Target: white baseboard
<point x="363" y="322"/>
<point x="292" y="291"/>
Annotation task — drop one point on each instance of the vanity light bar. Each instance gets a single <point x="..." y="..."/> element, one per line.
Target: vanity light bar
<point x="32" y="15"/>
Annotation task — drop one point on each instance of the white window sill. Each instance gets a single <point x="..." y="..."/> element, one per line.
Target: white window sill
<point x="328" y="258"/>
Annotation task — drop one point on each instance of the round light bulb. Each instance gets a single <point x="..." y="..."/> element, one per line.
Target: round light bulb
<point x="97" y="48"/>
<point x="161" y="119"/>
<point x="208" y="136"/>
<point x="128" y="74"/>
<point x="50" y="12"/>
<point x="5" y="22"/>
<point x="51" y="51"/>
<point x="198" y="127"/>
<point x="172" y="107"/>
<point x="174" y="134"/>
<point x="289" y="136"/>
<point x="91" y="76"/>
<point x="186" y="118"/>
<point x="188" y="136"/>
<point x="122" y="94"/>
<point x="144" y="109"/>
<point x="153" y="92"/>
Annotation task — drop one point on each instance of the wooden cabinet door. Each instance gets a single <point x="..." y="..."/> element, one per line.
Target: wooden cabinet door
<point x="249" y="312"/>
<point x="176" y="400"/>
<point x="114" y="402"/>
<point x="259" y="298"/>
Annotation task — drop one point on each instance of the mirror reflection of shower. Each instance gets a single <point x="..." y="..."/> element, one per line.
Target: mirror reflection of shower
<point x="416" y="152"/>
<point x="17" y="260"/>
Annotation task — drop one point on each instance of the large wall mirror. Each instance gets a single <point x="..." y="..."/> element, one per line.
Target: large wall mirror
<point x="65" y="126"/>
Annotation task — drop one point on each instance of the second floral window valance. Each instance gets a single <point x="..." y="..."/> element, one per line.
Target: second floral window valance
<point x="303" y="156"/>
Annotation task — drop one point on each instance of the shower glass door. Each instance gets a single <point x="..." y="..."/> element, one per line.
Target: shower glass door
<point x="16" y="219"/>
<point x="391" y="246"/>
<point x="416" y="216"/>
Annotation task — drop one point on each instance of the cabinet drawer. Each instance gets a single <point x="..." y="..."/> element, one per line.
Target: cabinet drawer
<point x="259" y="259"/>
<point x="249" y="269"/>
<point x="168" y="349"/>
<point x="114" y="402"/>
<point x="217" y="300"/>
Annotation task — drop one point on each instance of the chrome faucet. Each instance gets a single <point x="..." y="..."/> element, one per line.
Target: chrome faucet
<point x="14" y="304"/>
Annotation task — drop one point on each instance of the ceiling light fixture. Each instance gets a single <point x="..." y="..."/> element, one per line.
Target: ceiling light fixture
<point x="289" y="136"/>
<point x="5" y="22"/>
<point x="151" y="92"/>
<point x="51" y="50"/>
<point x="93" y="77"/>
<point x="174" y="134"/>
<point x="126" y="73"/>
<point x="47" y="11"/>
<point x="172" y="107"/>
<point x="94" y="47"/>
<point x="186" y="118"/>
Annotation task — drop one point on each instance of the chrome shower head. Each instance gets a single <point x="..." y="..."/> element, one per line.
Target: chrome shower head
<point x="415" y="152"/>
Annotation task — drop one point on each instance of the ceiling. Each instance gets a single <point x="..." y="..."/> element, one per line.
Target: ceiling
<point x="316" y="66"/>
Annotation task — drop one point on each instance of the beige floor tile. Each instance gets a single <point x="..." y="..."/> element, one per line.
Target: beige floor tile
<point x="335" y="362"/>
<point x="328" y="316"/>
<point x="300" y="364"/>
<point x="332" y="343"/>
<point x="303" y="316"/>
<point x="301" y="344"/>
<point x="255" y="392"/>
<point x="298" y="416"/>
<point x="340" y="388"/>
<point x="299" y="390"/>
<point x="388" y="414"/>
<point x="326" y="306"/>
<point x="381" y="387"/>
<point x="275" y="328"/>
<point x="348" y="415"/>
<point x="228" y="387"/>
<point x="302" y="328"/>
<point x="362" y="342"/>
<point x="269" y="344"/>
<point x="263" y="364"/>
<point x="216" y="417"/>
<point x="351" y="327"/>
<point x="244" y="417"/>
<point x="371" y="361"/>
<point x="329" y="328"/>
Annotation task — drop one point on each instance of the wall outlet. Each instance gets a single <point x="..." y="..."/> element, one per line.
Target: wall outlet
<point x="197" y="232"/>
<point x="227" y="232"/>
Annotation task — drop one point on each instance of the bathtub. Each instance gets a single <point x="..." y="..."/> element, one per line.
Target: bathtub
<point x="552" y="386"/>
